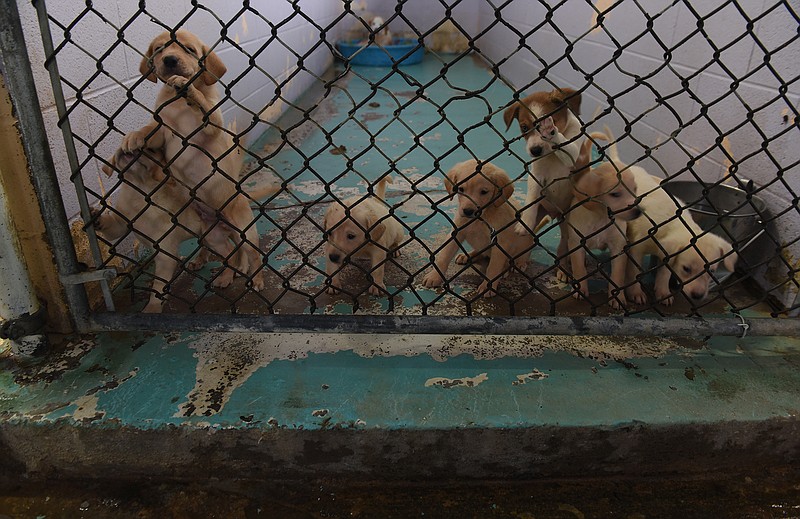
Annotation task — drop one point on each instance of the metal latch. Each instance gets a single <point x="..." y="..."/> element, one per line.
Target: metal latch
<point x="91" y="275"/>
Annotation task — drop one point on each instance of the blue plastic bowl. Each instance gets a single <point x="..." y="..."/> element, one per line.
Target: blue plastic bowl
<point x="377" y="56"/>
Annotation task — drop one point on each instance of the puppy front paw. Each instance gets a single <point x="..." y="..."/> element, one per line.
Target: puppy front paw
<point x="432" y="279"/>
<point x="617" y="300"/>
<point x="462" y="259"/>
<point x="547" y="129"/>
<point x="377" y="289"/>
<point x="581" y="293"/>
<point x="521" y="229"/>
<point x="636" y="294"/>
<point x="665" y="298"/>
<point x="177" y="82"/>
<point x="486" y="292"/>
<point x="133" y="141"/>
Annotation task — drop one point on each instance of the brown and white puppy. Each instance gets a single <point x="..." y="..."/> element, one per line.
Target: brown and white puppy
<point x="550" y="126"/>
<point x="603" y="206"/>
<point x="667" y="230"/>
<point x="160" y="211"/>
<point x="360" y="227"/>
<point x="485" y="219"/>
<point x="380" y="28"/>
<point x="200" y="152"/>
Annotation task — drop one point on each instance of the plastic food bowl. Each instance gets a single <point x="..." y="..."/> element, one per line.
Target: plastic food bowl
<point x="402" y="52"/>
<point x="729" y="212"/>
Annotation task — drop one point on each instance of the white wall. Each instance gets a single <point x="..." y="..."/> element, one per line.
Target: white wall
<point x="104" y="97"/>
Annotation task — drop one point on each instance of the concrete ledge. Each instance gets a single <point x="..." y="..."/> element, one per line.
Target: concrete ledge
<point x="63" y="450"/>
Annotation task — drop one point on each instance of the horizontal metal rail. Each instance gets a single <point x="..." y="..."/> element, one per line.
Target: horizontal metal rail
<point x="451" y="325"/>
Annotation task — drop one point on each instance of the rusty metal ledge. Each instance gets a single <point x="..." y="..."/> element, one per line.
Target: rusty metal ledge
<point x="734" y="325"/>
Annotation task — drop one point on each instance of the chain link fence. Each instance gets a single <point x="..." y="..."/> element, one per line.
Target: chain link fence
<point x="471" y="183"/>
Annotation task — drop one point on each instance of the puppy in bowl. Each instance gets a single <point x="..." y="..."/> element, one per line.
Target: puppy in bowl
<point x="485" y="219"/>
<point x="361" y="227"/>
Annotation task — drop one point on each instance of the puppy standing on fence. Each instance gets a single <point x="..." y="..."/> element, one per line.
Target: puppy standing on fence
<point x="484" y="219"/>
<point x="162" y="214"/>
<point x="361" y="227"/>
<point x="200" y="153"/>
<point x="550" y="126"/>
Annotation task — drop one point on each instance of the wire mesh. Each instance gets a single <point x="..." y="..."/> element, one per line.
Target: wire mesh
<point x="382" y="194"/>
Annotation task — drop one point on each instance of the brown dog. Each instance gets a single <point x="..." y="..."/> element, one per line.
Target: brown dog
<point x="198" y="150"/>
<point x="361" y="227"/>
<point x="484" y="219"/>
<point x="160" y="211"/>
<point x="549" y="124"/>
<point x="604" y="202"/>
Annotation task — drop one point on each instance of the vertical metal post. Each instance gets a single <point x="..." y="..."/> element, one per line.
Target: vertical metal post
<point x="22" y="88"/>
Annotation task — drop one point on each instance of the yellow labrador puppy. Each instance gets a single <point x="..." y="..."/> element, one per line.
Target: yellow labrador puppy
<point x="188" y="125"/>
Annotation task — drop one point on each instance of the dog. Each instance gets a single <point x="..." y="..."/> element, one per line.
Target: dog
<point x="380" y="29"/>
<point x="360" y="227"/>
<point x="550" y="126"/>
<point x="485" y="218"/>
<point x="668" y="232"/>
<point x="200" y="152"/>
<point x="162" y="214"/>
<point x="604" y="204"/>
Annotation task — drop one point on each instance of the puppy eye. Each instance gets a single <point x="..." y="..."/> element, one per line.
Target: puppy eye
<point x="615" y="194"/>
<point x="484" y="191"/>
<point x="460" y="189"/>
<point x="351" y="236"/>
<point x="525" y="128"/>
<point x="192" y="50"/>
<point x="687" y="269"/>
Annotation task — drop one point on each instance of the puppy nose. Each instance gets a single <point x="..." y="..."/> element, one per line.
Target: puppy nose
<point x="170" y="61"/>
<point x="698" y="295"/>
<point x="636" y="213"/>
<point x="334" y="257"/>
<point x="468" y="212"/>
<point x="535" y="151"/>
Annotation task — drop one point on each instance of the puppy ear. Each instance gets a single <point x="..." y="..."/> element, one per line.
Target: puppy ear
<point x="108" y="169"/>
<point x="376" y="232"/>
<point x="214" y="66"/>
<point x="146" y="67"/>
<point x="730" y="256"/>
<point x="511" y="113"/>
<point x="504" y="185"/>
<point x="451" y="179"/>
<point x="568" y="96"/>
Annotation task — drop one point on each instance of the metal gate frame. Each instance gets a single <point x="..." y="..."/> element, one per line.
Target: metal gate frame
<point x="31" y="125"/>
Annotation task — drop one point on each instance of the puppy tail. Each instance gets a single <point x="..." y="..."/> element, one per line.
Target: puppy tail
<point x="585" y="155"/>
<point x="380" y="187"/>
<point x="612" y="147"/>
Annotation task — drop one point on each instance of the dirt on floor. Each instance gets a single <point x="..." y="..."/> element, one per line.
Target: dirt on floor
<point x="775" y="494"/>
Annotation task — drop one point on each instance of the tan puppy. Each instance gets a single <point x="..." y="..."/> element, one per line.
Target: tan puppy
<point x="200" y="153"/>
<point x="484" y="219"/>
<point x="361" y="227"/>
<point x="604" y="204"/>
<point x="666" y="231"/>
<point x="147" y="203"/>
<point x="548" y="121"/>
